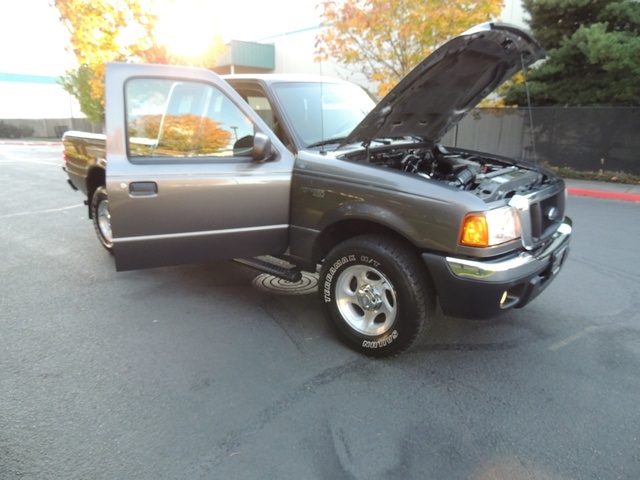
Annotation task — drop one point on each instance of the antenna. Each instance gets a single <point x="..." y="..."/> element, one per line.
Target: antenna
<point x="322" y="150"/>
<point x="526" y="86"/>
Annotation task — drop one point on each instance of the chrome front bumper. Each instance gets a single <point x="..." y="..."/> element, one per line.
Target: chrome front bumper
<point x="524" y="264"/>
<point x="484" y="289"/>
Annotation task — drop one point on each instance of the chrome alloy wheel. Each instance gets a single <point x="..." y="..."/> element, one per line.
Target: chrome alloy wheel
<point x="104" y="220"/>
<point x="366" y="300"/>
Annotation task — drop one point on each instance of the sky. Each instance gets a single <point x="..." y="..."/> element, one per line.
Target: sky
<point x="33" y="41"/>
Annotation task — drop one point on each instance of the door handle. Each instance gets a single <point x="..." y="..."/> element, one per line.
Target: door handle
<point x="143" y="189"/>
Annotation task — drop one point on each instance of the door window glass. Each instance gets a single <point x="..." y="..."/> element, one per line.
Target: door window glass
<point x="322" y="111"/>
<point x="262" y="107"/>
<point x="170" y="118"/>
<point x="258" y="101"/>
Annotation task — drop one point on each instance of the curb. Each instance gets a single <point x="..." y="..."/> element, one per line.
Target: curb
<point x="34" y="143"/>
<point x="629" y="197"/>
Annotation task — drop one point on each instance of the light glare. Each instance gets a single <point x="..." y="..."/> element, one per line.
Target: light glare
<point x="185" y="28"/>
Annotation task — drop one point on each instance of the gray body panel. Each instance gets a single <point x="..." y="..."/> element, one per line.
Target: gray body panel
<point x="202" y="208"/>
<point x="442" y="89"/>
<point x="327" y="191"/>
<point x="84" y="154"/>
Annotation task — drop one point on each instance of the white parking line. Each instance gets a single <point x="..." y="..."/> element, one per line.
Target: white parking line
<point x="53" y="162"/>
<point x="583" y="333"/>
<point x="50" y="210"/>
<point x="571" y="339"/>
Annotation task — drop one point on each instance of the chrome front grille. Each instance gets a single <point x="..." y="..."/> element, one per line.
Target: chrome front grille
<point x="541" y="213"/>
<point x="546" y="216"/>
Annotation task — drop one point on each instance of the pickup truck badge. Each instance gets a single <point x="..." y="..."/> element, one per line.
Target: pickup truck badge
<point x="315" y="192"/>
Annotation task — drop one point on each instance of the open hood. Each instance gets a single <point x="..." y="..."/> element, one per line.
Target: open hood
<point x="442" y="89"/>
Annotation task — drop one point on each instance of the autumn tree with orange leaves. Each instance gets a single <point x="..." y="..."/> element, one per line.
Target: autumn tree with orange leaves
<point x="112" y="30"/>
<point x="385" y="39"/>
<point x="180" y="135"/>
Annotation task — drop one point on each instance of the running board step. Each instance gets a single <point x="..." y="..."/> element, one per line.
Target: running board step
<point x="268" y="265"/>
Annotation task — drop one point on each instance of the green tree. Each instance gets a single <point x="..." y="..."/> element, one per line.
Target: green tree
<point x="101" y="31"/>
<point x="385" y="39"/>
<point x="78" y="84"/>
<point x="593" y="49"/>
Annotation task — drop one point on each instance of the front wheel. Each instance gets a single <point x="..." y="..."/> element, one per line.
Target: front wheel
<point x="375" y="294"/>
<point x="102" y="218"/>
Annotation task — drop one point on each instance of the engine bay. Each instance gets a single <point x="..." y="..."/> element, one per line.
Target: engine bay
<point x="488" y="178"/>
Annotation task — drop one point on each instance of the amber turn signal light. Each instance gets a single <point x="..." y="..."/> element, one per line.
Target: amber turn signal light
<point x="474" y="231"/>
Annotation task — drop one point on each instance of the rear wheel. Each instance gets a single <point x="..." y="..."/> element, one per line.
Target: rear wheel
<point x="375" y="294"/>
<point x="102" y="218"/>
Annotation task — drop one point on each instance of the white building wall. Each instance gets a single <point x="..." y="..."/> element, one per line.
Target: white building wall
<point x="295" y="52"/>
<point x="23" y="100"/>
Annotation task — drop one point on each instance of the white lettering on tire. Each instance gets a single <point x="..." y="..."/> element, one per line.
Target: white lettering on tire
<point x="380" y="343"/>
<point x="327" y="280"/>
<point x="369" y="261"/>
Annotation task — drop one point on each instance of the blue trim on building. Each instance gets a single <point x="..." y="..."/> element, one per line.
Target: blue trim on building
<point x="293" y="32"/>
<point x="24" y="78"/>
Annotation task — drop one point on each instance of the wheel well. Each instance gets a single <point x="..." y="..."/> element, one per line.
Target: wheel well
<point x="95" y="179"/>
<point x="343" y="230"/>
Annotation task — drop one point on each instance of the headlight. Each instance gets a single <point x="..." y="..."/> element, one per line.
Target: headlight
<point x="486" y="229"/>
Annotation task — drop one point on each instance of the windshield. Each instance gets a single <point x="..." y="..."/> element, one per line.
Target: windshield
<point x="323" y="111"/>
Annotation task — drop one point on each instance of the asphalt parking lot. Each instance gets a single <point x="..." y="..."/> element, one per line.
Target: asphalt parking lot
<point x="192" y="372"/>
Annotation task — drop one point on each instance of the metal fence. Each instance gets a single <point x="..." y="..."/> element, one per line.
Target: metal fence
<point x="587" y="139"/>
<point x="48" y="127"/>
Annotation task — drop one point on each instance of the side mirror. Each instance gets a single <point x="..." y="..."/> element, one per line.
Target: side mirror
<point x="262" y="148"/>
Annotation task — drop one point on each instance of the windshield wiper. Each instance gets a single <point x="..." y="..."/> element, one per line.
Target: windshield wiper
<point x="329" y="141"/>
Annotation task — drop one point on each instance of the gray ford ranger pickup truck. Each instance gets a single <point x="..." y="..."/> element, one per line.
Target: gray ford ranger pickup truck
<point x="290" y="173"/>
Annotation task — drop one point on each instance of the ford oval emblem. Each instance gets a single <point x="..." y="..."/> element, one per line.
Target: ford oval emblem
<point x="552" y="213"/>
